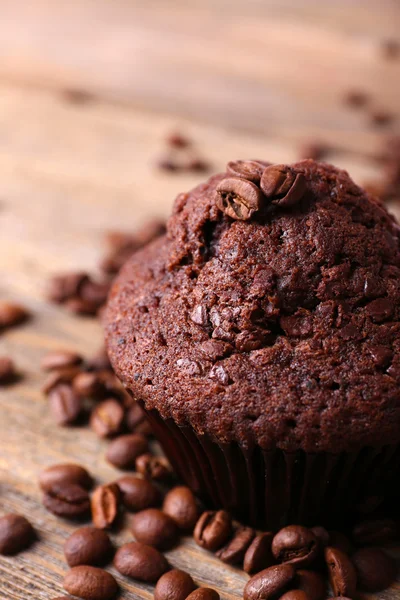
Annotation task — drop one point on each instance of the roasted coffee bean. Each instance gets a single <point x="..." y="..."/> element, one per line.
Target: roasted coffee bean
<point x="124" y="450"/>
<point x="203" y="594"/>
<point x="369" y="533"/>
<point x="375" y="570"/>
<point x="322" y="536"/>
<point x="140" y="562"/>
<point x="106" y="419"/>
<point x="65" y="375"/>
<point x="11" y="314"/>
<point x="64" y="286"/>
<point x="270" y="583"/>
<point x="67" y="500"/>
<point x="197" y="165"/>
<point x="294" y="595"/>
<point x="259" y="554"/>
<point x="7" y="370"/>
<point x="342" y="574"/>
<point x="66" y="407"/>
<point x="238" y="198"/>
<point x="90" y="583"/>
<point x="87" y="385"/>
<point x="136" y="420"/>
<point x="88" y="546"/>
<point x="246" y="169"/>
<point x="174" y="585"/>
<point x="95" y="292"/>
<point x="65" y="473"/>
<point x="295" y="544"/>
<point x="154" y="467"/>
<point x="213" y="529"/>
<point x="138" y="494"/>
<point x="58" y="359"/>
<point x="312" y="583"/>
<point x="339" y="540"/>
<point x="153" y="527"/>
<point x="181" y="505"/>
<point x="16" y="534"/>
<point x="177" y="140"/>
<point x="234" y="551"/>
<point x="80" y="306"/>
<point x="282" y="185"/>
<point x="104" y="505"/>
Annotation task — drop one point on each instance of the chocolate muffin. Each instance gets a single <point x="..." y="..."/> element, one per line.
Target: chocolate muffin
<point x="262" y="337"/>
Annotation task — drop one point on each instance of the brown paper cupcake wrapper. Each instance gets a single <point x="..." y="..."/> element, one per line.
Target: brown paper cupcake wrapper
<point x="270" y="489"/>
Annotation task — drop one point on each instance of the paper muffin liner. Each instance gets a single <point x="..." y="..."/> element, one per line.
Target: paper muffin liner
<point x="270" y="489"/>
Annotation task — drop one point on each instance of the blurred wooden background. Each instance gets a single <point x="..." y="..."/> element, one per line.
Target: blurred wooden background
<point x="88" y="91"/>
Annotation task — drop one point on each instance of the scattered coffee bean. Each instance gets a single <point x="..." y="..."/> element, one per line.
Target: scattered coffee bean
<point x="342" y="574"/>
<point x="356" y="98"/>
<point x="106" y="419"/>
<point x="65" y="375"/>
<point x="65" y="473"/>
<point x="369" y="533"/>
<point x="197" y="165"/>
<point x="339" y="540"/>
<point x="95" y="292"/>
<point x="322" y="536"/>
<point x="312" y="583"/>
<point x="138" y="494"/>
<point x="180" y="504"/>
<point x="246" y="169"/>
<point x="87" y="385"/>
<point x="238" y="198"/>
<point x="154" y="467"/>
<point x="124" y="450"/>
<point x="234" y="551"/>
<point x="259" y="554"/>
<point x="174" y="585"/>
<point x="90" y="583"/>
<point x="375" y="570"/>
<point x="67" y="500"/>
<point x="136" y="420"/>
<point x="294" y="595"/>
<point x="88" y="546"/>
<point x="104" y="505"/>
<point x="213" y="529"/>
<point x="16" y="534"/>
<point x="153" y="527"/>
<point x="203" y="594"/>
<point x="7" y="370"/>
<point x="80" y="306"/>
<point x="66" y="407"/>
<point x="381" y="118"/>
<point x="11" y="314"/>
<point x="282" y="185"/>
<point x="140" y="562"/>
<point x="295" y="544"/>
<point x="390" y="49"/>
<point x="270" y="583"/>
<point x="165" y="163"/>
<point x="177" y="140"/>
<point x="59" y="359"/>
<point x="64" y="286"/>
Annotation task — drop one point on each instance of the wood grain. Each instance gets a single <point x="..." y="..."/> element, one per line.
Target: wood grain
<point x="242" y="83"/>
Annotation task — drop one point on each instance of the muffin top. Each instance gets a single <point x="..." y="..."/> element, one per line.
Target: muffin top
<point x="270" y="312"/>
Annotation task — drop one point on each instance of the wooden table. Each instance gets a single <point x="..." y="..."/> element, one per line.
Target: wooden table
<point x="253" y="79"/>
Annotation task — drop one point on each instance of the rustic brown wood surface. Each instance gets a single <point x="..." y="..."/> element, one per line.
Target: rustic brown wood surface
<point x="242" y="79"/>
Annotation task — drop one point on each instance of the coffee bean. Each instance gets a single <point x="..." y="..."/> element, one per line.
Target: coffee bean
<point x="88" y="546"/>
<point x="104" y="505"/>
<point x="90" y="583"/>
<point x="137" y="422"/>
<point x="87" y="385"/>
<point x="246" y="169"/>
<point x="66" y="407"/>
<point x="95" y="292"/>
<point x="203" y="594"/>
<point x="376" y="570"/>
<point x="294" y="595"/>
<point x="342" y="574"/>
<point x="11" y="314"/>
<point x="322" y="536"/>
<point x="259" y="554"/>
<point x="154" y="467"/>
<point x="233" y="553"/>
<point x="64" y="286"/>
<point x="181" y="505"/>
<point x="270" y="583"/>
<point x="67" y="500"/>
<point x="80" y="306"/>
<point x="124" y="450"/>
<point x="59" y="359"/>
<point x="16" y="534"/>
<point x="380" y="531"/>
<point x="295" y="544"/>
<point x="138" y="494"/>
<point x="282" y="185"/>
<point x="99" y="360"/>
<point x="339" y="540"/>
<point x="140" y="562"/>
<point x="7" y="370"/>
<point x="174" y="585"/>
<point x="177" y="140"/>
<point x="106" y="419"/>
<point x="153" y="527"/>
<point x="65" y="473"/>
<point x="213" y="529"/>
<point x="65" y="375"/>
<point x="312" y="583"/>
<point x="238" y="198"/>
